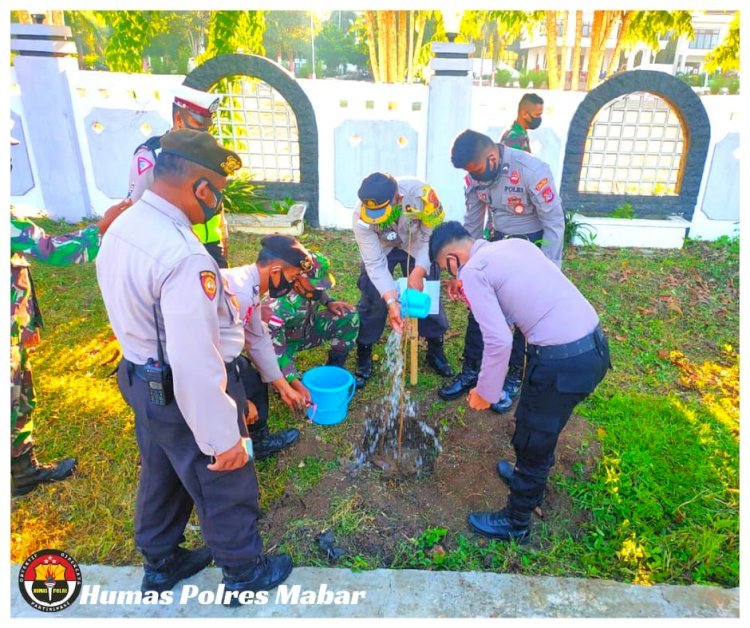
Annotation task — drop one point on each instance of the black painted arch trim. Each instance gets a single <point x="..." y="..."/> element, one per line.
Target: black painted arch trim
<point x="697" y="132"/>
<point x="212" y="71"/>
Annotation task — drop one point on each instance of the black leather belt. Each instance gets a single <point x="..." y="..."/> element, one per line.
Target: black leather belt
<point x="568" y="350"/>
<point x="139" y="370"/>
<point x="531" y="237"/>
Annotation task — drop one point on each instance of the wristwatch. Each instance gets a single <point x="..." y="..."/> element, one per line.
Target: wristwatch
<point x="391" y="300"/>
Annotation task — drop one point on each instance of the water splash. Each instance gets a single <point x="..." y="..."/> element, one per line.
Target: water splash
<point x="419" y="445"/>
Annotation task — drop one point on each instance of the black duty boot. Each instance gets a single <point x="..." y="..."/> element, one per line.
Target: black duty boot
<point x="436" y="357"/>
<point x="266" y="444"/>
<point x="500" y="525"/>
<point x="162" y="575"/>
<point x="336" y="358"/>
<point x="364" y="365"/>
<point x="267" y="573"/>
<point x="26" y="473"/>
<point x="513" y="381"/>
<point x="502" y="406"/>
<point x="464" y="382"/>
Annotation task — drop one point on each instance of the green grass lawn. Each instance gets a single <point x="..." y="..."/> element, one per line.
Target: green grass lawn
<point x="662" y="503"/>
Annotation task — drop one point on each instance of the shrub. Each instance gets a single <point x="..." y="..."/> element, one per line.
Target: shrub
<point x="503" y="77"/>
<point x="623" y="211"/>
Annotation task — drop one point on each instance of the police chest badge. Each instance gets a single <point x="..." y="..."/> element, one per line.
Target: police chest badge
<point x="208" y="283"/>
<point x="515" y="177"/>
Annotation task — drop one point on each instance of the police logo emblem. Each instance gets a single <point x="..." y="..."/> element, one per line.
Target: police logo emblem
<point x="208" y="283"/>
<point x="49" y="580"/>
<point x="515" y="177"/>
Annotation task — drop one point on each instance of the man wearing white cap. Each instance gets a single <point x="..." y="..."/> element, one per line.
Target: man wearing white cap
<point x="191" y="109"/>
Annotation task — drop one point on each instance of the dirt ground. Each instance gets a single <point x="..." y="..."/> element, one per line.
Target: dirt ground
<point x="376" y="512"/>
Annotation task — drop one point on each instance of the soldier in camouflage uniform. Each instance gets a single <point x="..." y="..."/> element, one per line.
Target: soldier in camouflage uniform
<point x="27" y="239"/>
<point x="307" y="317"/>
<point x="530" y="109"/>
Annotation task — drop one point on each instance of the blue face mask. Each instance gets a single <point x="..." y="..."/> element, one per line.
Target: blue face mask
<point x="490" y="172"/>
<point x="208" y="211"/>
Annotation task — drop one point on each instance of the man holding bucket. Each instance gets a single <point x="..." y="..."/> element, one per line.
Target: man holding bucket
<point x="281" y="261"/>
<point x="392" y="226"/>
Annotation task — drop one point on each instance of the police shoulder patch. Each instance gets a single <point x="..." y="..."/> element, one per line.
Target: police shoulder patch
<point x="143" y="164"/>
<point x="208" y="283"/>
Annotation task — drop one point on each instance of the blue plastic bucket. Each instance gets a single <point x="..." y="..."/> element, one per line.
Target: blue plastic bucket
<point x="415" y="304"/>
<point x="331" y="389"/>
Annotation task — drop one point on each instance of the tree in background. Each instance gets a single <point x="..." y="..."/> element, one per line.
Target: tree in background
<point x="287" y="35"/>
<point x="576" y="61"/>
<point x="395" y="42"/>
<point x="634" y="26"/>
<point x="234" y="31"/>
<point x="336" y="45"/>
<point x="726" y="56"/>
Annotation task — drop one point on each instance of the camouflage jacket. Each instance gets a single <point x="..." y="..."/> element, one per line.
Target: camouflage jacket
<point x="292" y="318"/>
<point x="516" y="137"/>
<point x="26" y="238"/>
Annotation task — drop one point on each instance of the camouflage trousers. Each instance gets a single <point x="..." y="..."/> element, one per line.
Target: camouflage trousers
<point x="22" y="402"/>
<point x="341" y="331"/>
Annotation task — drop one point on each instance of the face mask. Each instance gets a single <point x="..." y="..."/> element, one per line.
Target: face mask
<point x="451" y="259"/>
<point x="280" y="289"/>
<point x="535" y="123"/>
<point x="490" y="172"/>
<point x="208" y="211"/>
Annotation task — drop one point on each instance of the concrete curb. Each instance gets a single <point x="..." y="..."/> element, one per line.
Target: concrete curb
<point x="400" y="593"/>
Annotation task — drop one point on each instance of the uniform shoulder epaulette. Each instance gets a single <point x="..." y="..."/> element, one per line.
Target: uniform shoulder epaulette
<point x="152" y="143"/>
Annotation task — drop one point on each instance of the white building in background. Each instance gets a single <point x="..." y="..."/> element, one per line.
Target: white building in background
<point x="684" y="55"/>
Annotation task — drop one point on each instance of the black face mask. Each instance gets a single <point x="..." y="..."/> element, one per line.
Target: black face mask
<point x="208" y="211"/>
<point x="452" y="257"/>
<point x="535" y="123"/>
<point x="490" y="172"/>
<point x="280" y="289"/>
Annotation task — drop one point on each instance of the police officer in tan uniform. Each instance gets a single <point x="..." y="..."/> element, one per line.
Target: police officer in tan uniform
<point x="392" y="227"/>
<point x="509" y="194"/>
<point x="280" y="256"/>
<point x="568" y="353"/>
<point x="181" y="334"/>
<point x="191" y="109"/>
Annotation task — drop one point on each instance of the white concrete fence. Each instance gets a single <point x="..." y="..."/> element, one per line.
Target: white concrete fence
<point x="143" y="106"/>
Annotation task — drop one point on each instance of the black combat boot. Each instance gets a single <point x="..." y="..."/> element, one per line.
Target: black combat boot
<point x="26" y="473"/>
<point x="504" y="525"/>
<point x="502" y="406"/>
<point x="513" y="381"/>
<point x="267" y="573"/>
<point x="464" y="382"/>
<point x="266" y="444"/>
<point x="336" y="358"/>
<point x="364" y="365"/>
<point x="162" y="575"/>
<point x="436" y="357"/>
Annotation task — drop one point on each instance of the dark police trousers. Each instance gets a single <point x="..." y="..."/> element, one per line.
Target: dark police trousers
<point x="174" y="478"/>
<point x="473" y="343"/>
<point x="373" y="311"/>
<point x="552" y="387"/>
<point x="256" y="391"/>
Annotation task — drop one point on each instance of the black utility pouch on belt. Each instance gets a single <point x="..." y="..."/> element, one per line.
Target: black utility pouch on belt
<point x="159" y="375"/>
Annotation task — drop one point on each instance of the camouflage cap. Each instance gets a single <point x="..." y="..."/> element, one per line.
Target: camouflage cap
<point x="320" y="276"/>
<point x="201" y="148"/>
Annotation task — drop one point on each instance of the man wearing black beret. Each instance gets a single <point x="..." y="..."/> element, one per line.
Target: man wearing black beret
<point x="181" y="334"/>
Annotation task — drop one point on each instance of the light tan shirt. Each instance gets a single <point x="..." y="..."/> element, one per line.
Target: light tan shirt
<point x="244" y="283"/>
<point x="375" y="242"/>
<point x="150" y="256"/>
